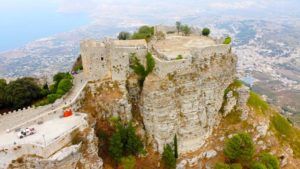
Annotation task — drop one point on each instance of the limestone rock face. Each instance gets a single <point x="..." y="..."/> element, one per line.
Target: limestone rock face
<point x="90" y="158"/>
<point x="186" y="104"/>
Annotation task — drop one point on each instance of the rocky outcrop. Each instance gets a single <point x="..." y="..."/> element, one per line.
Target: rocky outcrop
<point x="89" y="151"/>
<point x="186" y="104"/>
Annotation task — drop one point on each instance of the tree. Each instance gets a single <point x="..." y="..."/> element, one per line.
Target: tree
<point x="2" y="93"/>
<point x="227" y="40"/>
<point x="239" y="147"/>
<point x="168" y="157"/>
<point x="175" y="147"/>
<point x="186" y="30"/>
<point x="65" y="85"/>
<point x="270" y="161"/>
<point x="124" y="36"/>
<point x="22" y="92"/>
<point x="139" y="69"/>
<point x="52" y="97"/>
<point x="205" y="32"/>
<point x="133" y="144"/>
<point x="178" y="26"/>
<point x="116" y="147"/>
<point x="144" y="32"/>
<point x="236" y="166"/>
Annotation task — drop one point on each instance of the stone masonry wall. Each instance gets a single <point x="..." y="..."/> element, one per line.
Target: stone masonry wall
<point x="186" y="104"/>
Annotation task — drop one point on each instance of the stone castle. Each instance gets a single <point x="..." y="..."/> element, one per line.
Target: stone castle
<point x="183" y="94"/>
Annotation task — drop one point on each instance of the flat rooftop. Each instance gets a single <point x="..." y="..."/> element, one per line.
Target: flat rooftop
<point x="175" y="45"/>
<point x="45" y="132"/>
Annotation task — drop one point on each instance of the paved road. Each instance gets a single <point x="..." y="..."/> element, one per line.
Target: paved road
<point x="15" y="120"/>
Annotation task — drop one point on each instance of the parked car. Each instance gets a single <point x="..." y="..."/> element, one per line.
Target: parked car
<point x="26" y="132"/>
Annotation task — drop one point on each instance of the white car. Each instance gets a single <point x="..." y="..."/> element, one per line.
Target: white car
<point x="26" y="132"/>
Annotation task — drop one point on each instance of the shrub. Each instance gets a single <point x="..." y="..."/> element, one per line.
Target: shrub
<point x="144" y="32"/>
<point x="116" y="147"/>
<point x="128" y="162"/>
<point x="65" y="85"/>
<point x="222" y="166"/>
<point x="281" y="124"/>
<point x="168" y="157"/>
<point x="205" y="32"/>
<point x="179" y="57"/>
<point x="236" y="166"/>
<point x="227" y="40"/>
<point x="257" y="103"/>
<point x="52" y="97"/>
<point x="139" y="69"/>
<point x="258" y="165"/>
<point x="186" y="30"/>
<point x="239" y="147"/>
<point x="270" y="161"/>
<point x="124" y="36"/>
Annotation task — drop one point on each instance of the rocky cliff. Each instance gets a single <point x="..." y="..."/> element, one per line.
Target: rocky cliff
<point x="186" y="104"/>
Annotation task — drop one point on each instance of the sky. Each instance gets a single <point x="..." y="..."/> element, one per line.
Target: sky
<point x="26" y="20"/>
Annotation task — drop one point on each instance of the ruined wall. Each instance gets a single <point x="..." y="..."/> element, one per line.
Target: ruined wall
<point x="187" y="104"/>
<point x="120" y="59"/>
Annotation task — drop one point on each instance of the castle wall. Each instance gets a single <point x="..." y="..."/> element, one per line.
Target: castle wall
<point x="120" y="60"/>
<point x="95" y="59"/>
<point x="200" y="58"/>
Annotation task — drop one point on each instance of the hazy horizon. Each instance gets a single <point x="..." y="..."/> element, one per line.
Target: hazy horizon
<point x="24" y="21"/>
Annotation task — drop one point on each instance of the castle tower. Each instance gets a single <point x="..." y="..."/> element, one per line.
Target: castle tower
<point x="95" y="59"/>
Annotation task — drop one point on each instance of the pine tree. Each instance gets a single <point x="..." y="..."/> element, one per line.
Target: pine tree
<point x="175" y="147"/>
<point x="116" y="147"/>
<point x="168" y="157"/>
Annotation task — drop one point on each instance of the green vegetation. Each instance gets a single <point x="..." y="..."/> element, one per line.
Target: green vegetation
<point x="20" y="93"/>
<point x="124" y="142"/>
<point x="270" y="161"/>
<point x="77" y="65"/>
<point x="128" y="162"/>
<point x="144" y="32"/>
<point x="179" y="57"/>
<point x="258" y="165"/>
<point x="116" y="146"/>
<point x="175" y="147"/>
<point x="124" y="35"/>
<point x="62" y="84"/>
<point x="178" y="26"/>
<point x="186" y="30"/>
<point x="256" y="102"/>
<point x="168" y="157"/>
<point x="227" y="40"/>
<point x="205" y="32"/>
<point x="222" y="166"/>
<point x="235" y="85"/>
<point x="286" y="133"/>
<point x="239" y="148"/>
<point x="228" y="166"/>
<point x="139" y="69"/>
